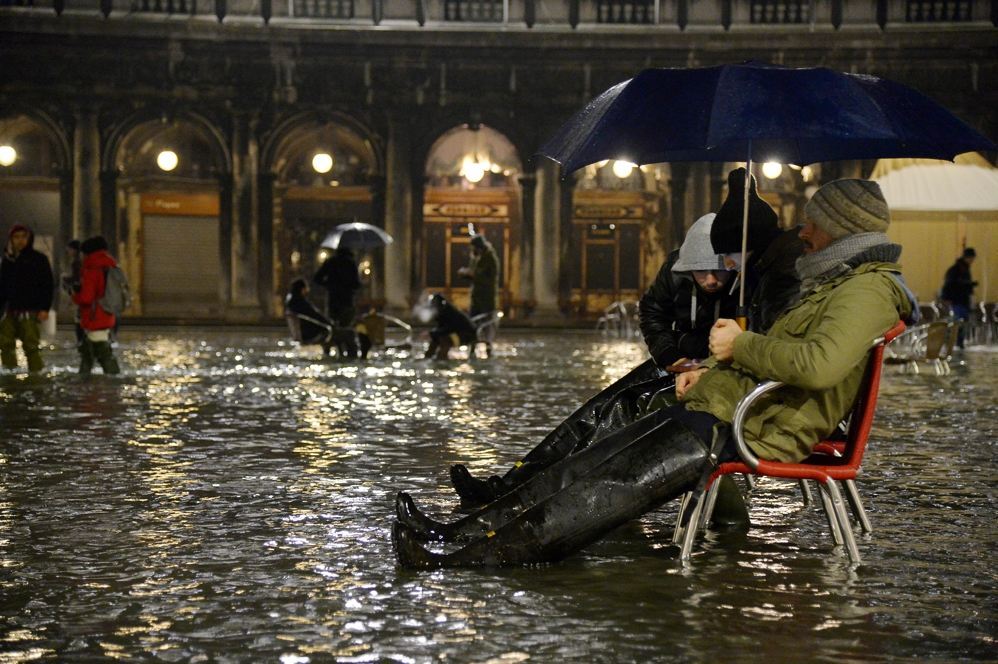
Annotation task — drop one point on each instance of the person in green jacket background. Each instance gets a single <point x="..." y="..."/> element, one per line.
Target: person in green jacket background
<point x="484" y="274"/>
<point x="851" y="293"/>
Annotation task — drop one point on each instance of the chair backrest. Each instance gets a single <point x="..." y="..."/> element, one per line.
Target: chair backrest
<point x="863" y="411"/>
<point x="937" y="333"/>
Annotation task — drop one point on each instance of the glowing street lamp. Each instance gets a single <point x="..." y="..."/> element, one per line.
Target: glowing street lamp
<point x="322" y="162"/>
<point x="622" y="169"/>
<point x="167" y="160"/>
<point x="8" y="155"/>
<point x="772" y="170"/>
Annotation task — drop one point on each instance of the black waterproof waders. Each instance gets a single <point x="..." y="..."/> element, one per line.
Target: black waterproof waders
<point x="654" y="468"/>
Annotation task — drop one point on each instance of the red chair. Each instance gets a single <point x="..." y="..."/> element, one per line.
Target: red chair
<point x="831" y="461"/>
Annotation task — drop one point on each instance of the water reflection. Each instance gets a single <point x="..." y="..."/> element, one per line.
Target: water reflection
<point x="229" y="498"/>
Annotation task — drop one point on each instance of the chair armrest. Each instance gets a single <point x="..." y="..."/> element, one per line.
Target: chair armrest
<point x="738" y="422"/>
<point x="314" y="321"/>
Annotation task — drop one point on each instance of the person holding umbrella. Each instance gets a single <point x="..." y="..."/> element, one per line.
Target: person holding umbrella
<point x="339" y="276"/>
<point x="851" y="293"/>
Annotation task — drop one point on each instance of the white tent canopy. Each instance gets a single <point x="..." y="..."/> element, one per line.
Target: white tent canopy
<point x="942" y="187"/>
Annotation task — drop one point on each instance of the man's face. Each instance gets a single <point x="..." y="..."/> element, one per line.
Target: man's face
<point x="969" y="259"/>
<point x="711" y="281"/>
<point x="813" y="237"/>
<point x="18" y="241"/>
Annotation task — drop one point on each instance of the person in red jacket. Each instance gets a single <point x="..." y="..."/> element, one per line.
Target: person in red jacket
<point x="97" y="323"/>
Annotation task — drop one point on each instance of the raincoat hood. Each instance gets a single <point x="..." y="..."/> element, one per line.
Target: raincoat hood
<point x="697" y="253"/>
<point x="17" y="228"/>
<point x="98" y="260"/>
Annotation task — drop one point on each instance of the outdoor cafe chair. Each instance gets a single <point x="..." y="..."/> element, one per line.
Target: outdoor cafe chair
<point x="486" y="328"/>
<point x="830" y="462"/>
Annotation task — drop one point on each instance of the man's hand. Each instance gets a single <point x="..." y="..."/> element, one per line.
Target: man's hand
<point x="686" y="381"/>
<point x="42" y="316"/>
<point x="722" y="339"/>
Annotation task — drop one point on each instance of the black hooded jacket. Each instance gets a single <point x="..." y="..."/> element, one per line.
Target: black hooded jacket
<point x="338" y="275"/>
<point x="772" y="284"/>
<point x="676" y="315"/>
<point x="26" y="282"/>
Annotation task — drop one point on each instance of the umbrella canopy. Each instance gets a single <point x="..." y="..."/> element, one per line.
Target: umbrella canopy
<point x="357" y="235"/>
<point x="757" y="111"/>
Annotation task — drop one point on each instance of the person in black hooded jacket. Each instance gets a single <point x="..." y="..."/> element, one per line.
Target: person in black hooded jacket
<point x="770" y="265"/>
<point x="26" y="291"/>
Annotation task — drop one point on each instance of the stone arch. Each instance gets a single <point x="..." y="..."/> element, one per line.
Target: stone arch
<point x="205" y="129"/>
<point x="18" y="119"/>
<point x="471" y="173"/>
<point x="303" y="203"/>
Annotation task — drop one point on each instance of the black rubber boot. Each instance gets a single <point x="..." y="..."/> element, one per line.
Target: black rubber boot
<point x="105" y="356"/>
<point x="730" y="512"/>
<point x="572" y="435"/>
<point x="541" y="486"/>
<point x="472" y="491"/>
<point x="653" y="469"/>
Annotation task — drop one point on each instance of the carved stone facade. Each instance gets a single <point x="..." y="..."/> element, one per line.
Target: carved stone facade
<point x="240" y="89"/>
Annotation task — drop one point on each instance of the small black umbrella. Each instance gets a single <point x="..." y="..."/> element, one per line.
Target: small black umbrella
<point x="357" y="235"/>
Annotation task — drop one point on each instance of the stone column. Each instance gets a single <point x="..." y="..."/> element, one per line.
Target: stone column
<point x="109" y="209"/>
<point x="679" y="178"/>
<point x="419" y="181"/>
<point x="546" y="259"/>
<point x="86" y="175"/>
<point x="377" y="187"/>
<point x="225" y="238"/>
<point x="398" y="211"/>
<point x="244" y="300"/>
<point x="566" y="211"/>
<point x="717" y="179"/>
<point x="528" y="190"/>
<point x="265" y="233"/>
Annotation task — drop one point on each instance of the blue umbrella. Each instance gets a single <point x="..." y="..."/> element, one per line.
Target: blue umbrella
<point x="756" y="111"/>
<point x="753" y="111"/>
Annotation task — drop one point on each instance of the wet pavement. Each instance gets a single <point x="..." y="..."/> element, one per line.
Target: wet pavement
<point x="229" y="499"/>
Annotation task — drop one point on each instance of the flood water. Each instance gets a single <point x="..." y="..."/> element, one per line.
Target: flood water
<point x="229" y="499"/>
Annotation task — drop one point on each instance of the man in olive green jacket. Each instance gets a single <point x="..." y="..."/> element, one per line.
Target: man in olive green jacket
<point x="852" y="293"/>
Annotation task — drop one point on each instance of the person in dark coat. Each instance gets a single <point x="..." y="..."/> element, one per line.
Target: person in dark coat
<point x="97" y="324"/>
<point x="339" y="276"/>
<point x="451" y="328"/>
<point x="314" y="327"/>
<point x="769" y="267"/>
<point x="958" y="287"/>
<point x="691" y="291"/>
<point x="484" y="275"/>
<point x="26" y="291"/>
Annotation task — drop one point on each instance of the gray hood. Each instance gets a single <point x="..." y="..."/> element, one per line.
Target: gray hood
<point x="697" y="253"/>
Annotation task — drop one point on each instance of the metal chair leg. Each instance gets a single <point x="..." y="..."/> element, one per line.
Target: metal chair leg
<point x="805" y="490"/>
<point x="708" y="508"/>
<point x="677" y="532"/>
<point x="749" y="483"/>
<point x="833" y="521"/>
<point x="857" y="506"/>
<point x="690" y="533"/>
<point x="843" y="518"/>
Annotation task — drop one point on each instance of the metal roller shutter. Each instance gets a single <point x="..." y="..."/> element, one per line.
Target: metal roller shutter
<point x="180" y="266"/>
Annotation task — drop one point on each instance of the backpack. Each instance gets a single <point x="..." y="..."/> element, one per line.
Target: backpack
<point x="116" y="297"/>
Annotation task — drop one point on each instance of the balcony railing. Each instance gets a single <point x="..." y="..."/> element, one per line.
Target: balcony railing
<point x="701" y="14"/>
<point x="938" y="11"/>
<point x="625" y="11"/>
<point x="773" y="11"/>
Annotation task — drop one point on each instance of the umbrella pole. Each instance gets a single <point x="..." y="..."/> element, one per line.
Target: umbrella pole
<point x="741" y="315"/>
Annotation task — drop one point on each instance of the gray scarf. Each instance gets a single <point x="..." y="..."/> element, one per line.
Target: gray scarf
<point x="843" y="255"/>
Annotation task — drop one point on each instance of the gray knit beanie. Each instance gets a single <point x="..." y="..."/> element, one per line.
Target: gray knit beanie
<point x="846" y="207"/>
<point x="697" y="252"/>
